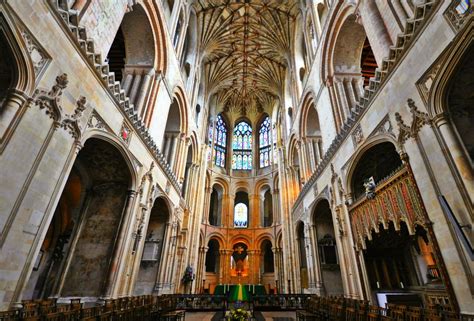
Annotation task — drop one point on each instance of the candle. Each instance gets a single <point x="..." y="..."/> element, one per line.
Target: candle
<point x="378" y="285"/>
<point x="401" y="285"/>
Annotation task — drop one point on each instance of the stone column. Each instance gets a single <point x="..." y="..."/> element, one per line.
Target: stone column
<point x="134" y="90"/>
<point x="342" y="99"/>
<point x="334" y="103"/>
<point x="126" y="82"/>
<point x="457" y="153"/>
<point x="144" y="88"/>
<point x="254" y="210"/>
<point x="375" y="29"/>
<point x="164" y="259"/>
<point x="207" y="205"/>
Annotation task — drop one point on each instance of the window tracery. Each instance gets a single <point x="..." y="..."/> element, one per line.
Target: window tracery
<point x="220" y="141"/>
<point x="265" y="143"/>
<point x="242" y="146"/>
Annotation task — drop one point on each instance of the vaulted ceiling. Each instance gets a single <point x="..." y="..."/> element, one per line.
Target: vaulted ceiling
<point x="245" y="47"/>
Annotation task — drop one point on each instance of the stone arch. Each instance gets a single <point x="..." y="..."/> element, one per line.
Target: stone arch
<point x="241" y="239"/>
<point x="132" y="55"/>
<point x="266" y="206"/>
<point x="120" y="146"/>
<point x="349" y="62"/>
<point x="100" y="213"/>
<point x="155" y="240"/>
<point x="263" y="237"/>
<point x="213" y="256"/>
<point x="301" y="51"/>
<point x="22" y="74"/>
<point x="359" y="154"/>
<point x="302" y="255"/>
<point x="268" y="264"/>
<point x="216" y="205"/>
<point x="217" y="236"/>
<point x="17" y="77"/>
<point x="188" y="54"/>
<point x="325" y="236"/>
<point x="449" y="102"/>
<point x="222" y="183"/>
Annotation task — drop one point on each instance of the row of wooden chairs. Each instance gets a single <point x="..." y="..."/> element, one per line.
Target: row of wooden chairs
<point x="335" y="309"/>
<point x="136" y="308"/>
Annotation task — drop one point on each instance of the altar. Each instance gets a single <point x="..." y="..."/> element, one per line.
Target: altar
<point x="239" y="292"/>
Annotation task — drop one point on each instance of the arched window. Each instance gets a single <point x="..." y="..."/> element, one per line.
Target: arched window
<point x="240" y="215"/>
<point x="242" y="147"/>
<point x="265" y="143"/>
<point x="220" y="142"/>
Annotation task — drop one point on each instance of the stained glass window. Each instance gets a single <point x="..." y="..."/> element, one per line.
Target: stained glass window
<point x="240" y="215"/>
<point x="463" y="6"/>
<point x="242" y="147"/>
<point x="265" y="143"/>
<point x="220" y="141"/>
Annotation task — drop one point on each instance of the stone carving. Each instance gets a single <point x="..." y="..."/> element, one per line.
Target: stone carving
<point x="96" y="122"/>
<point x="38" y="55"/>
<point x="50" y="100"/>
<point x="71" y="123"/>
<point x="357" y="135"/>
<point x="419" y="119"/>
<point x="384" y="127"/>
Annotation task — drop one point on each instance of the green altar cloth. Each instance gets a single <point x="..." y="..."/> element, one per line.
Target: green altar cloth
<point x="238" y="292"/>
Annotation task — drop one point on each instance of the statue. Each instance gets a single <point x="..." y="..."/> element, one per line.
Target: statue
<point x="369" y="185"/>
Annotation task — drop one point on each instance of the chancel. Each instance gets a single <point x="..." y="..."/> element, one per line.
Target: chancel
<point x="236" y="159"/>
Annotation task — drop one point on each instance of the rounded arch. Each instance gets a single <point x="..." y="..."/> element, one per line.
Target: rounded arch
<point x="222" y="183"/>
<point x="241" y="186"/>
<point x="120" y="146"/>
<point x="342" y="11"/>
<point x="241" y="238"/>
<point x="386" y="148"/>
<point x="158" y="26"/>
<point x="262" y="238"/>
<point x="180" y="96"/>
<point x="261" y="184"/>
<point x="308" y="112"/>
<point x="218" y="237"/>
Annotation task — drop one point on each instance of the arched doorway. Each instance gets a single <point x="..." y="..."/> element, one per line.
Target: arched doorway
<point x="212" y="266"/>
<point x="78" y="250"/>
<point x="267" y="210"/>
<point x="267" y="266"/>
<point x="153" y="256"/>
<point x="215" y="208"/>
<point x="301" y="242"/>
<point x="328" y="258"/>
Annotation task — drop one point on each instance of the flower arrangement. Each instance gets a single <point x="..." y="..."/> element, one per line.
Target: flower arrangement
<point x="238" y="314"/>
<point x="188" y="275"/>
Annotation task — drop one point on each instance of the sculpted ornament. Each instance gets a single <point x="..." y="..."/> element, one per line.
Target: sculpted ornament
<point x="50" y="100"/>
<point x="71" y="122"/>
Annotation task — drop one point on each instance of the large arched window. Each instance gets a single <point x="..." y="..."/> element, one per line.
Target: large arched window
<point x="241" y="212"/>
<point x="220" y="142"/>
<point x="242" y="146"/>
<point x="265" y="143"/>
